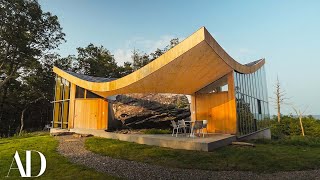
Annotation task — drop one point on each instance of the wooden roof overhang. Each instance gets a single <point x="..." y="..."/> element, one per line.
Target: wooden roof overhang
<point x="186" y="68"/>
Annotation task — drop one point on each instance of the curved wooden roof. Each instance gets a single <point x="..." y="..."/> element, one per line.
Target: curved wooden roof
<point x="191" y="65"/>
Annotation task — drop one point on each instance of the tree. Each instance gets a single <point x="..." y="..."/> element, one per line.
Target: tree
<point x="280" y="98"/>
<point x="66" y="63"/>
<point x="37" y="87"/>
<point x="96" y="61"/>
<point x="300" y="115"/>
<point x="26" y="33"/>
<point x="125" y="69"/>
<point x="157" y="53"/>
<point x="173" y="43"/>
<point x="142" y="59"/>
<point x="139" y="60"/>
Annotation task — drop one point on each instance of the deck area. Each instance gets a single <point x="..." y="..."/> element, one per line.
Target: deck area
<point x="208" y="143"/>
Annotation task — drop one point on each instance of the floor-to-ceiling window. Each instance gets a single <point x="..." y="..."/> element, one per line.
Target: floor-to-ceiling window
<point x="252" y="101"/>
<point x="61" y="103"/>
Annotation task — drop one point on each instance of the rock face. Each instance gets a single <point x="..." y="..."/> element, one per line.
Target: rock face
<point x="150" y="110"/>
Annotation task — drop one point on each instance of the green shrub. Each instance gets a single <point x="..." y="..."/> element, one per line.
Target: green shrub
<point x="290" y="126"/>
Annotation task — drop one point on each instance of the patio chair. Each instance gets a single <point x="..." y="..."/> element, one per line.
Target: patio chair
<point x="174" y="127"/>
<point x="47" y="127"/>
<point x="204" y="126"/>
<point x="182" y="124"/>
<point x="198" y="125"/>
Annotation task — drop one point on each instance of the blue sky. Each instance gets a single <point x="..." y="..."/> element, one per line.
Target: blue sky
<point x="286" y="33"/>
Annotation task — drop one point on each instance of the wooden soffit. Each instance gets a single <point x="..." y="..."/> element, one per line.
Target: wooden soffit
<point x="189" y="66"/>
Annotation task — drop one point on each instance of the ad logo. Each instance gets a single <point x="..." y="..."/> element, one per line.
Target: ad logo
<point x="27" y="172"/>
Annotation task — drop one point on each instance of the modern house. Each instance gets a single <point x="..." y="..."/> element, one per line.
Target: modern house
<point x="231" y="96"/>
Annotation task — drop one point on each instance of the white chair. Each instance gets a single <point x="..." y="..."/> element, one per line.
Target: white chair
<point x="47" y="127"/>
<point x="175" y="127"/>
<point x="182" y="124"/>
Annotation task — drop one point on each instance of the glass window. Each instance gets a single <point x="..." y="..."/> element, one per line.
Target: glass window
<point x="259" y="106"/>
<point x="245" y="77"/>
<point x="225" y="87"/>
<point x="79" y="92"/>
<point x="265" y="85"/>
<point x="61" y="103"/>
<point x="92" y="95"/>
<point x="251" y="85"/>
<point x="252" y="101"/>
<point x="255" y="90"/>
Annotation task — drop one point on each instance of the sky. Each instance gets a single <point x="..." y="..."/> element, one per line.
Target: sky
<point x="286" y="33"/>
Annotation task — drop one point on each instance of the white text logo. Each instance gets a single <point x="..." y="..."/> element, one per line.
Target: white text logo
<point x="27" y="172"/>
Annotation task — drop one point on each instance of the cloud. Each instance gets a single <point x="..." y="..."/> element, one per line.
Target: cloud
<point x="244" y="51"/>
<point x="124" y="53"/>
<point x="243" y="55"/>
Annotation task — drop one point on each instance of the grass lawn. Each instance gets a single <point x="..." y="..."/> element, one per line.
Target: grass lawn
<point x="58" y="167"/>
<point x="267" y="156"/>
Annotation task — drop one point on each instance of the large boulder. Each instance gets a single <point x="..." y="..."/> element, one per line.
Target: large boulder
<point x="139" y="111"/>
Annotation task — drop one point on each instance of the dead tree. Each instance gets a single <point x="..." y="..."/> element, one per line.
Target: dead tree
<point x="300" y="115"/>
<point x="280" y="98"/>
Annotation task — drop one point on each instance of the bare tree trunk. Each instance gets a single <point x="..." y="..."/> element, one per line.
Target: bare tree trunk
<point x="300" y="114"/>
<point x="279" y="113"/>
<point x="278" y="101"/>
<point x="301" y="125"/>
<point x="22" y="120"/>
<point x="24" y="110"/>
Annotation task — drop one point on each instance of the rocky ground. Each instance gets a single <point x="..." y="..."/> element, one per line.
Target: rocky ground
<point x="73" y="148"/>
<point x="150" y="110"/>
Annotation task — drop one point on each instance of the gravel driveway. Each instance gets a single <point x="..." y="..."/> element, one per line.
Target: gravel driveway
<point x="73" y="148"/>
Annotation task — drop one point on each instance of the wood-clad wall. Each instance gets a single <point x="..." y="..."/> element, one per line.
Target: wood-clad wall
<point x="218" y="108"/>
<point x="71" y="105"/>
<point x="90" y="114"/>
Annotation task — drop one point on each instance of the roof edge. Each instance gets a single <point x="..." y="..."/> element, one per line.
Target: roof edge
<point x="245" y="69"/>
<point x="199" y="36"/>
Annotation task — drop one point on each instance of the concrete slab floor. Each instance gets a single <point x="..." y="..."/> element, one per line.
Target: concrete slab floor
<point x="210" y="142"/>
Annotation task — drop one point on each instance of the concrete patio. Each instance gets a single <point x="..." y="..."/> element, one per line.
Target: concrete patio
<point x="208" y="143"/>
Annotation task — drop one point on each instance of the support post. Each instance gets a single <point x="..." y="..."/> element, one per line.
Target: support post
<point x="193" y="108"/>
<point x="71" y="105"/>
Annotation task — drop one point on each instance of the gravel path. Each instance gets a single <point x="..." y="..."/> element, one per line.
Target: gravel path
<point x="73" y="149"/>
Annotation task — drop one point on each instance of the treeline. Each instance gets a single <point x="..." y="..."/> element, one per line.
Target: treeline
<point x="98" y="61"/>
<point x="27" y="37"/>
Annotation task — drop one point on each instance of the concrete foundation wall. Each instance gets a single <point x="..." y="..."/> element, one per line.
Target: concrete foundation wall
<point x="261" y="134"/>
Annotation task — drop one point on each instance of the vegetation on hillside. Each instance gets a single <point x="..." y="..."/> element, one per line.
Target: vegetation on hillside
<point x="289" y="126"/>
